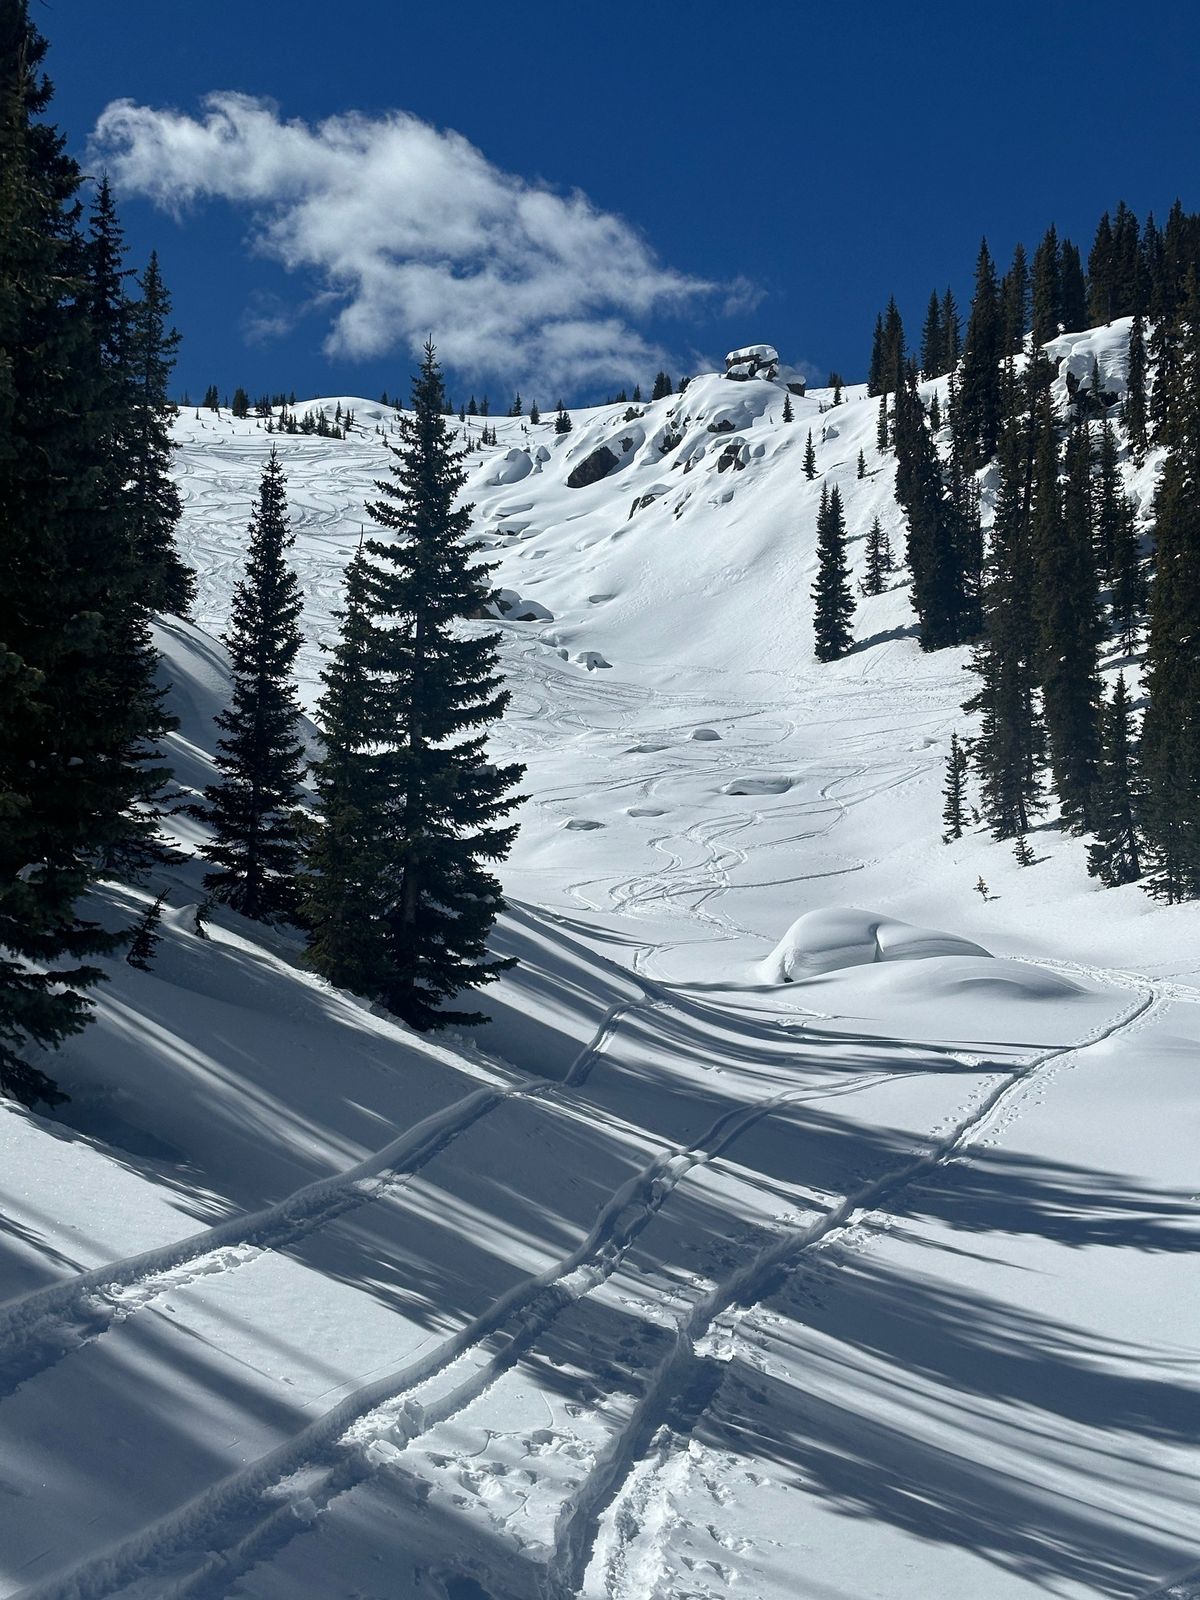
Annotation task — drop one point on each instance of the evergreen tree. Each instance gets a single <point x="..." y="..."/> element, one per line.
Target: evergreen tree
<point x="146" y="936"/>
<point x="535" y="415"/>
<point x="1014" y="303"/>
<point x="954" y="792"/>
<point x="880" y="561"/>
<point x="1067" y="616"/>
<point x="875" y="384"/>
<point x="1023" y="851"/>
<point x="882" y="433"/>
<point x="1116" y="858"/>
<point x="951" y="333"/>
<point x="1008" y="748"/>
<point x="254" y="809"/>
<point x="77" y="704"/>
<point x="936" y="529"/>
<point x="562" y="422"/>
<point x="1073" y="288"/>
<point x="1047" y="290"/>
<point x="1171" y="728"/>
<point x="1135" y="394"/>
<point x="833" y="599"/>
<point x="428" y="804"/>
<point x="810" y="458"/>
<point x="980" y="397"/>
<point x="1100" y="274"/>
<point x="240" y="404"/>
<point x="662" y="387"/>
<point x="861" y="470"/>
<point x="933" y="345"/>
<point x="788" y="414"/>
<point x="212" y="399"/>
<point x="155" y="504"/>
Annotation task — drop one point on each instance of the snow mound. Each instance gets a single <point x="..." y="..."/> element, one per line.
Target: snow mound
<point x="841" y="936"/>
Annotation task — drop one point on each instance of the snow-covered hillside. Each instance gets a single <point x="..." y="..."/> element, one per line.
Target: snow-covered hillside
<point x="802" y="1225"/>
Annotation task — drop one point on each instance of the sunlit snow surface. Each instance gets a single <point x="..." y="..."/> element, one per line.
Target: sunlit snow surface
<point x="680" y="1279"/>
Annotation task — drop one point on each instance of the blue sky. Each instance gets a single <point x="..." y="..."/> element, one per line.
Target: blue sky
<point x="566" y="195"/>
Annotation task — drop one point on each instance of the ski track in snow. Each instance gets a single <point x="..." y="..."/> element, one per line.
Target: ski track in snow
<point x="249" y="1516"/>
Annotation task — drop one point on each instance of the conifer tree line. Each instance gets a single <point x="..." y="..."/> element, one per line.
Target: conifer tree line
<point x="87" y="551"/>
<point x="1065" y="576"/>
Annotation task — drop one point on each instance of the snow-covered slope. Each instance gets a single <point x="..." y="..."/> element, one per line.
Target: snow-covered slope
<point x="774" y="1239"/>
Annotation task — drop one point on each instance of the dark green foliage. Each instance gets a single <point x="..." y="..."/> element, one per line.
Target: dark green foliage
<point x="153" y="497"/>
<point x="880" y="560"/>
<point x="861" y="470"/>
<point x="1117" y="547"/>
<point x="1171" y="729"/>
<point x="662" y="387"/>
<point x="1023" y="851"/>
<point x="1066" y="612"/>
<point x="1100" y="274"/>
<point x="239" y="406"/>
<point x="78" y="707"/>
<point x="1047" y="290"/>
<point x="535" y="415"/>
<point x="254" y="810"/>
<point x="810" y="458"/>
<point x="410" y="806"/>
<point x="833" y="599"/>
<point x="788" y="414"/>
<point x="954" y="792"/>
<point x="562" y="422"/>
<point x="980" y="396"/>
<point x="938" y="535"/>
<point x="875" y="370"/>
<point x="882" y="432"/>
<point x="212" y="398"/>
<point x="932" y="342"/>
<point x="1014" y="303"/>
<point x="951" y="333"/>
<point x="1008" y="749"/>
<point x="146" y="936"/>
<point x="1135" y="414"/>
<point x="1116" y="856"/>
<point x="1072" y="288"/>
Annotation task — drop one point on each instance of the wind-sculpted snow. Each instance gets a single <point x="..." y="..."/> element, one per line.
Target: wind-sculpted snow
<point x="760" y="1244"/>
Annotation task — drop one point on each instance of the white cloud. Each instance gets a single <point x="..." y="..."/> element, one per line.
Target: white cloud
<point x="414" y="231"/>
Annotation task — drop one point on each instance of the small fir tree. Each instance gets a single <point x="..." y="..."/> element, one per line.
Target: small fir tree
<point x="788" y="414"/>
<point x="1116" y="856"/>
<point x="810" y="458"/>
<point x="254" y="808"/>
<point x="833" y="599"/>
<point x="954" y="792"/>
<point x="880" y="561"/>
<point x="1023" y="851"/>
<point x="146" y="937"/>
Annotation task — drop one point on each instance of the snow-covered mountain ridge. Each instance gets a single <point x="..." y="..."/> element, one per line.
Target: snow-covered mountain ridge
<point x="677" y="1280"/>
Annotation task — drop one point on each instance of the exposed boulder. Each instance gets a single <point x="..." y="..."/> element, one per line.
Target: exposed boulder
<point x="592" y="468"/>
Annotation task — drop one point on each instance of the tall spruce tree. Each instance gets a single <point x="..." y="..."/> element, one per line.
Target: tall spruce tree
<point x="935" y="529"/>
<point x="1116" y="856"/>
<point x="1134" y="410"/>
<point x="880" y="560"/>
<point x="810" y="457"/>
<point x="1067" y="614"/>
<point x="954" y="792"/>
<point x="1014" y="302"/>
<point x="833" y="599"/>
<point x="76" y="698"/>
<point x="933" y="344"/>
<point x="1171" y="728"/>
<point x="1046" y="281"/>
<point x="254" y="809"/>
<point x="170" y="585"/>
<point x="951" y="332"/>
<point x="980" y="393"/>
<point x="1008" y="751"/>
<point x="411" y="807"/>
